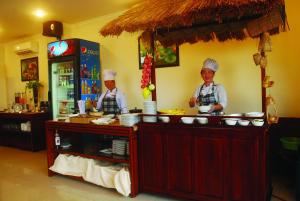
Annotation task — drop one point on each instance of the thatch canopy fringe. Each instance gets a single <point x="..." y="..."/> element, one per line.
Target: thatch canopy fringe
<point x="169" y="18"/>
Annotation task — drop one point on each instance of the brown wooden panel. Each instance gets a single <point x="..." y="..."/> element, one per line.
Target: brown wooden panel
<point x="210" y="166"/>
<point x="242" y="170"/>
<point x="151" y="155"/>
<point x="179" y="161"/>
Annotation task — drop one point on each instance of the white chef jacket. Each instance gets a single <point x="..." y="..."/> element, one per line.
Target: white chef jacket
<point x="120" y="99"/>
<point x="220" y="93"/>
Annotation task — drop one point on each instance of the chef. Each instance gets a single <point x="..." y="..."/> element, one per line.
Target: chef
<point x="112" y="101"/>
<point x="210" y="93"/>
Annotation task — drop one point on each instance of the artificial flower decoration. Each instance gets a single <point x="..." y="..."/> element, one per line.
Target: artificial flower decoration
<point x="146" y="77"/>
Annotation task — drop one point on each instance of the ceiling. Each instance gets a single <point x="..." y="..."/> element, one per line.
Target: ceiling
<point x="17" y="19"/>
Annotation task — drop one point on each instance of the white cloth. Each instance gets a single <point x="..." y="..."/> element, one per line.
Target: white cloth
<point x="120" y="98"/>
<point x="109" y="74"/>
<point x="101" y="173"/>
<point x="122" y="182"/>
<point x="210" y="64"/>
<point x="220" y="93"/>
<point x="69" y="165"/>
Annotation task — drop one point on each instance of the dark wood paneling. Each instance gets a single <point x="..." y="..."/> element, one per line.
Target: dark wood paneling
<point x="210" y="165"/>
<point x="204" y="163"/>
<point x="179" y="159"/>
<point x="152" y="162"/>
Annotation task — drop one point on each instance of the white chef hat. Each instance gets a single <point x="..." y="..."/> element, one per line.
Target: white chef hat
<point x="210" y="64"/>
<point x="109" y="74"/>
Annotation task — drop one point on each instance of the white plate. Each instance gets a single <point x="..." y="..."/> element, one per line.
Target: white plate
<point x="254" y="114"/>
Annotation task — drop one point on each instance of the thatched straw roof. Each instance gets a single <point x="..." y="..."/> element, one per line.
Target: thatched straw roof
<point x="179" y="21"/>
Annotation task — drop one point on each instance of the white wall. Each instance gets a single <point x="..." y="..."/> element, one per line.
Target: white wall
<point x="175" y="85"/>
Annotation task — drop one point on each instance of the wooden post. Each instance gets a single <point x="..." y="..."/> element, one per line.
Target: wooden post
<point x="263" y="89"/>
<point x="153" y="79"/>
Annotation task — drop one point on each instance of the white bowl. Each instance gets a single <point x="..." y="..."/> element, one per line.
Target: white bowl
<point x="257" y="122"/>
<point x="231" y="121"/>
<point x="187" y="120"/>
<point x="164" y="119"/>
<point x="204" y="108"/>
<point x="234" y="115"/>
<point x="202" y="120"/>
<point x="243" y="122"/>
<point x="254" y="114"/>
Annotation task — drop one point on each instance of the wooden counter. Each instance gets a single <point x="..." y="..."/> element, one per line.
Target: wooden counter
<point x="78" y="132"/>
<point x="204" y="162"/>
<point x="11" y="133"/>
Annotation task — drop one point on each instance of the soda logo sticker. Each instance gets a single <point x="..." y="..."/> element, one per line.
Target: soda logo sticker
<point x="84" y="50"/>
<point x="93" y="52"/>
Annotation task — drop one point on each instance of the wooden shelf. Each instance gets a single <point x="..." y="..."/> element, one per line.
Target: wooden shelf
<point x="77" y="133"/>
<point x="112" y="158"/>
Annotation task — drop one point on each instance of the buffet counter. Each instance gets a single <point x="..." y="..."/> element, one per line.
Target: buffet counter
<point x="213" y="161"/>
<point x="23" y="130"/>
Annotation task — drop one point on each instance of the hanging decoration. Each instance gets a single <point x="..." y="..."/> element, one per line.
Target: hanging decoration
<point x="146" y="76"/>
<point x="260" y="59"/>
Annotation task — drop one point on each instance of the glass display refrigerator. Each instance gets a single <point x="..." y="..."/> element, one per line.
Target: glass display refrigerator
<point x="74" y="74"/>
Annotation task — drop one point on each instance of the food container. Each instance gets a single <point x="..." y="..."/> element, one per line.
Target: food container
<point x="164" y="119"/>
<point x="202" y="120"/>
<point x="204" y="108"/>
<point x="254" y="114"/>
<point x="243" y="122"/>
<point x="187" y="120"/>
<point x="231" y="121"/>
<point x="257" y="122"/>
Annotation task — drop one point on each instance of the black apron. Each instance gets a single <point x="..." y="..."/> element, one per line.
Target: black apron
<point x="208" y="99"/>
<point x="109" y="105"/>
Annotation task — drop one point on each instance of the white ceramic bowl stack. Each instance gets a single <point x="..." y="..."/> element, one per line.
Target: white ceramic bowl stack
<point x="119" y="147"/>
<point x="129" y="119"/>
<point x="150" y="108"/>
<point x="127" y="148"/>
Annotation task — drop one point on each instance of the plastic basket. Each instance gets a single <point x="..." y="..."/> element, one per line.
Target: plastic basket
<point x="290" y="143"/>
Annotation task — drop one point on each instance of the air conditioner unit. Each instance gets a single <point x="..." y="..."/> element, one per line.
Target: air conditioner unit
<point x="27" y="47"/>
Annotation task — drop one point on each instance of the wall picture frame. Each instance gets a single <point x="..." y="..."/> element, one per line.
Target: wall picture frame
<point x="163" y="56"/>
<point x="29" y="69"/>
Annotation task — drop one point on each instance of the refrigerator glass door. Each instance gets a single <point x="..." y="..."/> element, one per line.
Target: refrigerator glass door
<point x="62" y="89"/>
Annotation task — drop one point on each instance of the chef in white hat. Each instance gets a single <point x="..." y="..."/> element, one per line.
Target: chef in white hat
<point x="210" y="93"/>
<point x="112" y="101"/>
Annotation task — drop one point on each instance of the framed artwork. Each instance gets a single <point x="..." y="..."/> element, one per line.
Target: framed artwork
<point x="163" y="56"/>
<point x="144" y="48"/>
<point x="29" y="69"/>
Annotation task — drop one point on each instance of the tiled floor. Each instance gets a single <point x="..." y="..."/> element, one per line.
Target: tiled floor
<point x="23" y="177"/>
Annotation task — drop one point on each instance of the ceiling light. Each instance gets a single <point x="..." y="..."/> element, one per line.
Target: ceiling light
<point x="39" y="13"/>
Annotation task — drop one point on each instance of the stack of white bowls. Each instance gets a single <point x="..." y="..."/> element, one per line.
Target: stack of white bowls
<point x="150" y="108"/>
<point x="127" y="148"/>
<point x="129" y="119"/>
<point x="119" y="147"/>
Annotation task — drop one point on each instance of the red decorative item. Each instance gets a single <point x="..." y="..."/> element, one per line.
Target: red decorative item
<point x="146" y="73"/>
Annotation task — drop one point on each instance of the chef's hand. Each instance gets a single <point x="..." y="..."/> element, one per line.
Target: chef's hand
<point x="216" y="107"/>
<point x="192" y="101"/>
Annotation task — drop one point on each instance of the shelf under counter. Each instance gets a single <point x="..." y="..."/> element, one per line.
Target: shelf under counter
<point x="77" y="130"/>
<point x="107" y="157"/>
